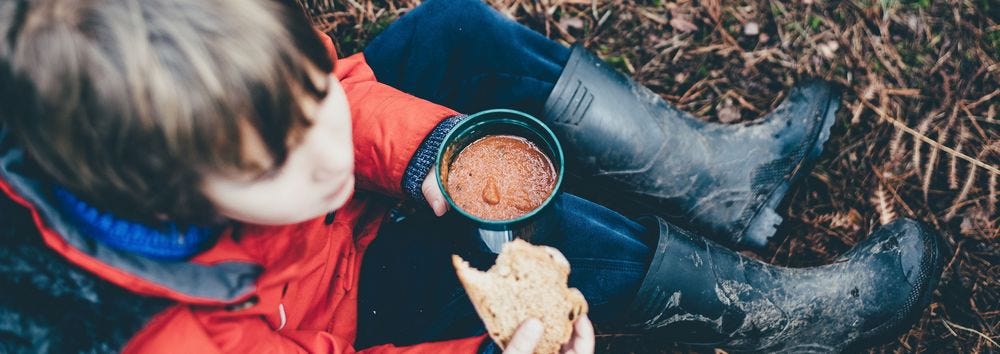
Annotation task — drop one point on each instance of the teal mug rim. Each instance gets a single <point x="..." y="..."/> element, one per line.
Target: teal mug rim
<point x="480" y="118"/>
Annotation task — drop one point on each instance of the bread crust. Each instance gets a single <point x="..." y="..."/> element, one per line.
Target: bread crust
<point x="527" y="281"/>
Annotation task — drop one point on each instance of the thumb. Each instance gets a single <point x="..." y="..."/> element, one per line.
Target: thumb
<point x="433" y="195"/>
<point x="525" y="338"/>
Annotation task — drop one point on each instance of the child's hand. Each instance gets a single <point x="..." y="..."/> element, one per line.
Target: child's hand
<point x="582" y="341"/>
<point x="528" y="334"/>
<point x="433" y="194"/>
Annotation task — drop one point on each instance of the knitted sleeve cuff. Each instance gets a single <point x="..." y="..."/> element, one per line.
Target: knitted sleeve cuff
<point x="423" y="159"/>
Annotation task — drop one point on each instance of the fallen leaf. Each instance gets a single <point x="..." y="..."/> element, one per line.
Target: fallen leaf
<point x="682" y="24"/>
<point x="967" y="226"/>
<point x="828" y="49"/>
<point x="570" y="22"/>
<point x="728" y="113"/>
<point x="653" y="17"/>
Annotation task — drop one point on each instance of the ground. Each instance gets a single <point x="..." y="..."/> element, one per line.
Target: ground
<point x="917" y="134"/>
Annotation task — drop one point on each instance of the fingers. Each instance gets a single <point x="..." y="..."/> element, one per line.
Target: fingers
<point x="433" y="195"/>
<point x="584" y="336"/>
<point x="582" y="341"/>
<point x="525" y="338"/>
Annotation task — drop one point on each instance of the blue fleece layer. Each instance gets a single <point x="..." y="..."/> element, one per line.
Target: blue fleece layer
<point x="166" y="241"/>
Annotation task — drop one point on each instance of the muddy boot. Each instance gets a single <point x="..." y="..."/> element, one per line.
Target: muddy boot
<point x="701" y="293"/>
<point x="720" y="180"/>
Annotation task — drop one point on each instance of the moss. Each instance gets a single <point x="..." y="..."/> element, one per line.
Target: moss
<point x="918" y="4"/>
<point x="794" y="27"/>
<point x="888" y="4"/>
<point x="618" y="62"/>
<point x="913" y="54"/>
<point x="777" y="10"/>
<point x="991" y="10"/>
<point x="993" y="38"/>
<point x="814" y="22"/>
<point x="374" y="28"/>
<point x="702" y="71"/>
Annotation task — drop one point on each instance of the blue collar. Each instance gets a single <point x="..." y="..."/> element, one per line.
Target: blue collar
<point x="166" y="241"/>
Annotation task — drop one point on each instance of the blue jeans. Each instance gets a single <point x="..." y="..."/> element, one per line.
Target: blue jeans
<point x="465" y="55"/>
<point x="409" y="292"/>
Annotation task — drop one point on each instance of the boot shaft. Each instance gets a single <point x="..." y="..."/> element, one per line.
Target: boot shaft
<point x="718" y="179"/>
<point x="699" y="292"/>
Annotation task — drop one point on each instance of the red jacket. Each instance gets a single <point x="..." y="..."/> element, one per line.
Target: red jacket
<point x="282" y="289"/>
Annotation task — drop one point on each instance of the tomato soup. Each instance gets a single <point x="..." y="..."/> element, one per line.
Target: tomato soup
<point x="500" y="177"/>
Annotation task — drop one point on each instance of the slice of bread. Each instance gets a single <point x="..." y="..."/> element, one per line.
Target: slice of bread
<point x="526" y="282"/>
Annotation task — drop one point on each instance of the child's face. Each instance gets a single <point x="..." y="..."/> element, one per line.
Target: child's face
<point x="316" y="178"/>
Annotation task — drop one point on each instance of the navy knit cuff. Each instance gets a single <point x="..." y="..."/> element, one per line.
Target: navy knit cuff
<point x="423" y="158"/>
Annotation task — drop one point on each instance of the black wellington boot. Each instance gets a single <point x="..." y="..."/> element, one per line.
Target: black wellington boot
<point x="720" y="180"/>
<point x="701" y="293"/>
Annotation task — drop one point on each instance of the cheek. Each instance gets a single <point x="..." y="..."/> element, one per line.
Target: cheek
<point x="264" y="204"/>
<point x="275" y="212"/>
<point x="258" y="208"/>
<point x="338" y="113"/>
<point x="332" y="150"/>
<point x="345" y="151"/>
<point x="343" y="137"/>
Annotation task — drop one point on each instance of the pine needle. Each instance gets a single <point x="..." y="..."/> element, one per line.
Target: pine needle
<point x="993" y="194"/>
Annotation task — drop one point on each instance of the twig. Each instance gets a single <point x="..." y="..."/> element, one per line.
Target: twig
<point x="986" y="98"/>
<point x="958" y="250"/>
<point x="924" y="138"/>
<point x="949" y="324"/>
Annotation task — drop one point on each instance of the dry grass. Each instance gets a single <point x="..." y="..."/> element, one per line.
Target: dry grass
<point x="917" y="135"/>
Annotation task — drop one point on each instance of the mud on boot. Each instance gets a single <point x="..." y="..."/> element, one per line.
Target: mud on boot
<point x="701" y="293"/>
<point x="720" y="180"/>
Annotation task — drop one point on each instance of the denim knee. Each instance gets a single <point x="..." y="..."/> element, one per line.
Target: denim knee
<point x="467" y="16"/>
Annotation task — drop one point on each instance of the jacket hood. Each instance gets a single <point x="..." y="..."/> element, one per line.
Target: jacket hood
<point x="202" y="282"/>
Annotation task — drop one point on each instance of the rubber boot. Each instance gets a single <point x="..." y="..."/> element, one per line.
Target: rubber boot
<point x="699" y="292"/>
<point x="720" y="180"/>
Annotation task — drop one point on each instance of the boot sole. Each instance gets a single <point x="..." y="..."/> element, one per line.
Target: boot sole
<point x="765" y="221"/>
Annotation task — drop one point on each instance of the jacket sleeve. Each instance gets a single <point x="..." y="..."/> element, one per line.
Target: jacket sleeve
<point x="179" y="330"/>
<point x="388" y="125"/>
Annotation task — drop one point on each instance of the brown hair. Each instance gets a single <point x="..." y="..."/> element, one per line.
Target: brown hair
<point x="128" y="103"/>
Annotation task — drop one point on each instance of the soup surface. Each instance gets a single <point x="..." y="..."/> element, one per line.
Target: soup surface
<point x="500" y="177"/>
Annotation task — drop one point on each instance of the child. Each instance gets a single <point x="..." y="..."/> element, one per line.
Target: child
<point x="203" y="153"/>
